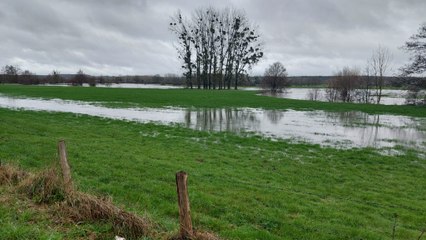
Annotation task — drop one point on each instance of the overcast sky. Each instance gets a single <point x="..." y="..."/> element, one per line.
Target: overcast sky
<point x="131" y="37"/>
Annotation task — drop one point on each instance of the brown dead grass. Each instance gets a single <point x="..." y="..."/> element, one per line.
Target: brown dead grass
<point x="84" y="207"/>
<point x="10" y="175"/>
<point x="47" y="188"/>
<point x="43" y="187"/>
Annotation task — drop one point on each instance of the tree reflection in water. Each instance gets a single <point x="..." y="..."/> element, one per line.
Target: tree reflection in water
<point x="221" y="119"/>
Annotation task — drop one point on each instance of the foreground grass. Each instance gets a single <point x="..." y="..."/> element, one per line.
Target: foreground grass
<point x="21" y="219"/>
<point x="117" y="97"/>
<point x="17" y="220"/>
<point x="240" y="187"/>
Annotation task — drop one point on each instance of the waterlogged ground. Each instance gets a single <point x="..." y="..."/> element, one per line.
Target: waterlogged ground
<point x="340" y="129"/>
<point x="390" y="96"/>
<point x="121" y="85"/>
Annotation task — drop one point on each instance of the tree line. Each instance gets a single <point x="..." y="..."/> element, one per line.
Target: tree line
<point x="216" y="47"/>
<point x="14" y="74"/>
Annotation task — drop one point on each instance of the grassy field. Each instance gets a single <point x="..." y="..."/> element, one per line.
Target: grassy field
<point x="240" y="187"/>
<point x="116" y="97"/>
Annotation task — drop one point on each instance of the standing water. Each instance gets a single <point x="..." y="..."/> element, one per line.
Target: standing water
<point x="389" y="96"/>
<point x="340" y="129"/>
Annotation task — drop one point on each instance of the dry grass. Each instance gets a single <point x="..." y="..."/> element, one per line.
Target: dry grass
<point x="10" y="175"/>
<point x="43" y="187"/>
<point x="47" y="187"/>
<point x="84" y="207"/>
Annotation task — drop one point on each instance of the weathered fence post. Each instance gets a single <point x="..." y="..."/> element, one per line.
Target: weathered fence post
<point x="185" y="222"/>
<point x="66" y="172"/>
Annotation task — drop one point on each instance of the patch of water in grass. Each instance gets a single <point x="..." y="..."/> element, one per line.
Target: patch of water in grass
<point x="338" y="129"/>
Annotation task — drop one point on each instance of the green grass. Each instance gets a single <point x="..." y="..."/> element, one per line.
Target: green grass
<point x="16" y="222"/>
<point x="22" y="219"/>
<point x="197" y="98"/>
<point x="240" y="187"/>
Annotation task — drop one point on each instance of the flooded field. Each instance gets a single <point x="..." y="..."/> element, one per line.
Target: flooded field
<point x="345" y="129"/>
<point x="122" y="85"/>
<point x="390" y="96"/>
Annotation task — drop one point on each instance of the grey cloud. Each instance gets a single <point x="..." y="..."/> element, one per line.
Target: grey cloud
<point x="310" y="37"/>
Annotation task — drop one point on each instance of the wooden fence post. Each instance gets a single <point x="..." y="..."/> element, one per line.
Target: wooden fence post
<point x="66" y="172"/>
<point x="185" y="222"/>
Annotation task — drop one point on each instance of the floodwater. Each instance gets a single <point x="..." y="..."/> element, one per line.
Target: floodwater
<point x="389" y="96"/>
<point x="123" y="85"/>
<point x="346" y="129"/>
<point x="138" y="85"/>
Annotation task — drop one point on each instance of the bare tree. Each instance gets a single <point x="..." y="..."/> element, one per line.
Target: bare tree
<point x="10" y="74"/>
<point x="314" y="94"/>
<point x="331" y="92"/>
<point x="79" y="78"/>
<point x="343" y="85"/>
<point x="181" y="29"/>
<point x="380" y="64"/>
<point x="365" y="85"/>
<point x="275" y="78"/>
<point x="91" y="80"/>
<point x="416" y="46"/>
<point x="26" y="77"/>
<point x="54" y="77"/>
<point x="220" y="45"/>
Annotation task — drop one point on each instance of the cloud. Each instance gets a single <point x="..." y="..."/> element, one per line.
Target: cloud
<point x="106" y="37"/>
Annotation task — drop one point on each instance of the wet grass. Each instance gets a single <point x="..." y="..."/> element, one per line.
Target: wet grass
<point x="47" y="191"/>
<point x="240" y="187"/>
<point x="21" y="218"/>
<point x="117" y="97"/>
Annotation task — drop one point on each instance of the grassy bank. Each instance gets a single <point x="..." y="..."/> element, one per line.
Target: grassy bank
<point x="197" y="98"/>
<point x="240" y="187"/>
<point x="21" y="218"/>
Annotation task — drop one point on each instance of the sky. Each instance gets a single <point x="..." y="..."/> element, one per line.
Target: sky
<point x="131" y="37"/>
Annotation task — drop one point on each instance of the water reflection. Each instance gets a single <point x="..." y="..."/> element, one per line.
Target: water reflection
<point x="390" y="96"/>
<point x="222" y="119"/>
<point x="343" y="129"/>
<point x="380" y="130"/>
<point x="274" y="116"/>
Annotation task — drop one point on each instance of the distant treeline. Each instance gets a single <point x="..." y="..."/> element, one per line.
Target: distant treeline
<point x="169" y="79"/>
<point x="80" y="79"/>
<point x="315" y="81"/>
<point x="13" y="74"/>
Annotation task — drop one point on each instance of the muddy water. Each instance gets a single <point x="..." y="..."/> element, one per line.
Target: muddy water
<point x="347" y="129"/>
